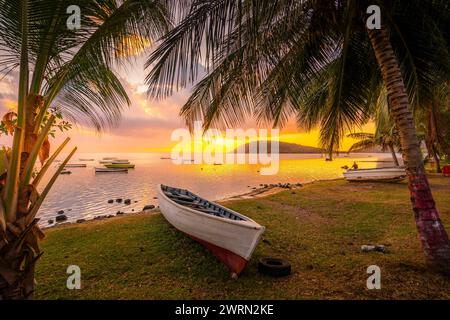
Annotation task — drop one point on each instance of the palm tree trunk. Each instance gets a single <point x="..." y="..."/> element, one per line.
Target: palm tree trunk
<point x="34" y="103"/>
<point x="394" y="156"/>
<point x="433" y="236"/>
<point x="19" y="256"/>
<point x="330" y="155"/>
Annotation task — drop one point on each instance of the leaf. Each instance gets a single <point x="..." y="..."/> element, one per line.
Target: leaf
<point x="33" y="211"/>
<point x="44" y="152"/>
<point x="9" y="120"/>
<point x="29" y="166"/>
<point x="47" y="165"/>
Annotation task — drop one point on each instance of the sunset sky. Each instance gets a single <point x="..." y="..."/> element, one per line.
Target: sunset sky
<point x="147" y="125"/>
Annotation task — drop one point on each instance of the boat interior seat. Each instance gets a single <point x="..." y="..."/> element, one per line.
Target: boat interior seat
<point x="186" y="198"/>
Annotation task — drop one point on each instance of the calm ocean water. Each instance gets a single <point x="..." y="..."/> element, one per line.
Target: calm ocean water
<point x="85" y="194"/>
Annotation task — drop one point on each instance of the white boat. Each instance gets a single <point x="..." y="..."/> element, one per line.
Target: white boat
<point x="102" y="170"/>
<point x="120" y="161"/>
<point x="75" y="165"/>
<point x="376" y="174"/>
<point x="230" y="236"/>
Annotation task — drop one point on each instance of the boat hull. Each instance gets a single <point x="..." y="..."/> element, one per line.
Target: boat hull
<point x="119" y="166"/>
<point x="377" y="174"/>
<point x="233" y="261"/>
<point x="75" y="165"/>
<point x="232" y="242"/>
<point x="106" y="170"/>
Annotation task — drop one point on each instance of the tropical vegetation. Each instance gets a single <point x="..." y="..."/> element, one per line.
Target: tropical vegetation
<point x="320" y="62"/>
<point x="385" y="136"/>
<point x="433" y="124"/>
<point x="63" y="70"/>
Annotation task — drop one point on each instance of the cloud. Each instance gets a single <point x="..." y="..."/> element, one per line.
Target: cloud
<point x="146" y="126"/>
<point x="8" y="93"/>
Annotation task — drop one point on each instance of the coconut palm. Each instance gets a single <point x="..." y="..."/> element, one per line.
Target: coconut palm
<point x="433" y="125"/>
<point x="385" y="136"/>
<point x="385" y="140"/>
<point x="63" y="69"/>
<point x="317" y="60"/>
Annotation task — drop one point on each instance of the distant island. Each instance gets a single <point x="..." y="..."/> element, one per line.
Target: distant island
<point x="374" y="149"/>
<point x="284" y="147"/>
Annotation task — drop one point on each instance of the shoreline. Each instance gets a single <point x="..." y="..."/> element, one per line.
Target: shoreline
<point x="320" y="229"/>
<point x="257" y="192"/>
<point x="270" y="189"/>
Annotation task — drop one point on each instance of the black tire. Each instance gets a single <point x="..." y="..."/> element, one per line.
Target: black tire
<point x="274" y="267"/>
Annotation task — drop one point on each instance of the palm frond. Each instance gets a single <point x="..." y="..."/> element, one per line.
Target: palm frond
<point x="361" y="135"/>
<point x="361" y="145"/>
<point x="91" y="95"/>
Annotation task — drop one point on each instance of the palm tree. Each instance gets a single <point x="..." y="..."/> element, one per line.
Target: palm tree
<point x="432" y="125"/>
<point x="61" y="70"/>
<point x="369" y="140"/>
<point x="385" y="135"/>
<point x="319" y="61"/>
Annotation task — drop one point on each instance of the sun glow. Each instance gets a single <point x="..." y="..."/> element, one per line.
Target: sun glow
<point x="133" y="45"/>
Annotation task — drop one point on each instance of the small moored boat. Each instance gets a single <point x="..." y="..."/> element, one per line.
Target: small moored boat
<point x="104" y="170"/>
<point x="119" y="165"/>
<point x="75" y="165"/>
<point x="230" y="236"/>
<point x="376" y="174"/>
<point x="120" y="161"/>
<point x="86" y="159"/>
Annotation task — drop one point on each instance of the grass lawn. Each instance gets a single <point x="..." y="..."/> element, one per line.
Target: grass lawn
<point x="319" y="228"/>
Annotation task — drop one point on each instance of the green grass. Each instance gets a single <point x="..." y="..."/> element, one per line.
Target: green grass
<point x="318" y="228"/>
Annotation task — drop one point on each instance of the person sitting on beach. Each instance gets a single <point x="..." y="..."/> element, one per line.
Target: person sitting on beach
<point x="355" y="165"/>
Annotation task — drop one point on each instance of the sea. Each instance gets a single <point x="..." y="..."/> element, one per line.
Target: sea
<point x="84" y="194"/>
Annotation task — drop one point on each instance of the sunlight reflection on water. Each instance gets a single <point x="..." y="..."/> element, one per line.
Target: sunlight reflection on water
<point x="85" y="194"/>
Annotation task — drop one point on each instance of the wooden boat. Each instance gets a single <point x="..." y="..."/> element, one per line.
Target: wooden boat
<point x="376" y="174"/>
<point x="105" y="161"/>
<point x="119" y="165"/>
<point x="65" y="172"/>
<point x="109" y="158"/>
<point x="230" y="236"/>
<point x="86" y="159"/>
<point x="75" y="165"/>
<point x="103" y="170"/>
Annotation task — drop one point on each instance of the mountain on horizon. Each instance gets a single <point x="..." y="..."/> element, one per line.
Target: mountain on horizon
<point x="284" y="147"/>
